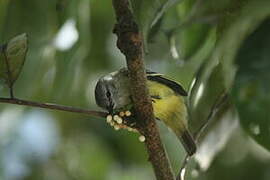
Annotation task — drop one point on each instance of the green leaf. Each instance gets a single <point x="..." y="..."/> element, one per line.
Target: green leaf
<point x="217" y="75"/>
<point x="148" y="13"/>
<point x="252" y="85"/>
<point x="207" y="91"/>
<point x="12" y="59"/>
<point x="186" y="33"/>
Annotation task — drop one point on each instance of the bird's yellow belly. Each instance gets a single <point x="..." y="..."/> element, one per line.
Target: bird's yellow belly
<point x="168" y="106"/>
<point x="171" y="108"/>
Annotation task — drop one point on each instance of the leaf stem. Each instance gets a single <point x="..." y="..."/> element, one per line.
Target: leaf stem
<point x="10" y="85"/>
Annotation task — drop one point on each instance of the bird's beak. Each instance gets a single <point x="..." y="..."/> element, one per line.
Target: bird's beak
<point x="110" y="108"/>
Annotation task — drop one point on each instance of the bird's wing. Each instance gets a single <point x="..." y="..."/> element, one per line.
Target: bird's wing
<point x="153" y="76"/>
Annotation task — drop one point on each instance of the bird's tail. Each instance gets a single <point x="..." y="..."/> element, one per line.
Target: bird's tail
<point x="188" y="142"/>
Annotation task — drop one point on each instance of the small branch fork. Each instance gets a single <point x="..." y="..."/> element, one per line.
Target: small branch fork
<point x="130" y="44"/>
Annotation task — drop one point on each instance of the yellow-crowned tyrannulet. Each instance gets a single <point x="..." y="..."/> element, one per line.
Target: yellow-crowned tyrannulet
<point x="113" y="92"/>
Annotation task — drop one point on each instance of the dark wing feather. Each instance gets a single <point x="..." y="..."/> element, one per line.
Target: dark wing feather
<point x="152" y="76"/>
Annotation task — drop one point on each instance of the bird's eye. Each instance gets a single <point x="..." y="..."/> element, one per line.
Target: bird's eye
<point x="108" y="94"/>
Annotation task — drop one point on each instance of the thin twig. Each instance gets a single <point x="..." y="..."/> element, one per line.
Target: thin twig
<point x="130" y="43"/>
<point x="52" y="106"/>
<point x="216" y="106"/>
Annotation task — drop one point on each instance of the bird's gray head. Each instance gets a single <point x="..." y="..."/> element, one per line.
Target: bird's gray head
<point x="112" y="91"/>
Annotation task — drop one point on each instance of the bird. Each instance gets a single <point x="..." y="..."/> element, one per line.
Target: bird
<point x="112" y="93"/>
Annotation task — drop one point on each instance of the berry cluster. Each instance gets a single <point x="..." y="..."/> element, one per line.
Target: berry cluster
<point x="118" y="121"/>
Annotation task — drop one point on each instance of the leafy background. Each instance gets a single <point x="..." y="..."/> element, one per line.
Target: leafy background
<point x="211" y="48"/>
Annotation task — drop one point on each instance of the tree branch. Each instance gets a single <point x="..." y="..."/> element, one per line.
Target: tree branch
<point x="130" y="44"/>
<point x="52" y="106"/>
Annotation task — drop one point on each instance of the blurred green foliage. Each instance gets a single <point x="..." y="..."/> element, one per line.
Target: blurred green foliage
<point x="211" y="47"/>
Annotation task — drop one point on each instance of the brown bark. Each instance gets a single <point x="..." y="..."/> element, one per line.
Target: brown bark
<point x="131" y="45"/>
